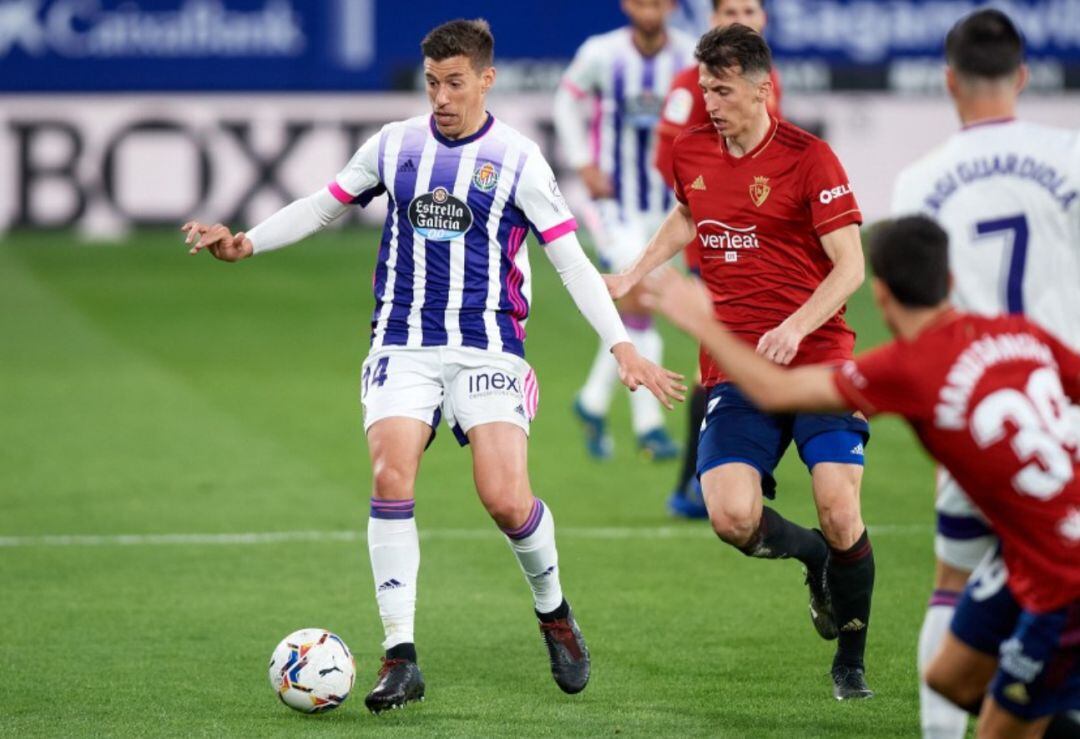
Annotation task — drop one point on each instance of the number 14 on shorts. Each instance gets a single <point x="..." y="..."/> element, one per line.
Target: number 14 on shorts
<point x="378" y="377"/>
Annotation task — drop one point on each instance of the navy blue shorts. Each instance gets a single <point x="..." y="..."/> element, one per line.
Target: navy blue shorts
<point x="1038" y="653"/>
<point x="736" y="431"/>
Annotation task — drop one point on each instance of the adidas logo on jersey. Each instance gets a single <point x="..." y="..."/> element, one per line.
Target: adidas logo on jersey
<point x="407" y="166"/>
<point x="391" y="584"/>
<point x="698" y="184"/>
<point x="855" y="624"/>
<point x="857" y="450"/>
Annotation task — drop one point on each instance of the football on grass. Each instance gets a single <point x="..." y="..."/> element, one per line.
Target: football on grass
<point x="312" y="670"/>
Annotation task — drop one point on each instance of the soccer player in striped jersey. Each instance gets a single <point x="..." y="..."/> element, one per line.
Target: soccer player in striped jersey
<point x="452" y="296"/>
<point x="606" y="110"/>
<point x="1008" y="193"/>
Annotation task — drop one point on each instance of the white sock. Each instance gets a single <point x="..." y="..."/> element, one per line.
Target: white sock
<point x="533" y="544"/>
<point x="941" y="719"/>
<point x="644" y="407"/>
<point x="595" y="395"/>
<point x="395" y="560"/>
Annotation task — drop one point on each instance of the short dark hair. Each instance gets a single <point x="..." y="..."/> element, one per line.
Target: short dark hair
<point x="461" y="37"/>
<point x="717" y="3"/>
<point x="985" y="44"/>
<point x="723" y="48"/>
<point x="911" y="256"/>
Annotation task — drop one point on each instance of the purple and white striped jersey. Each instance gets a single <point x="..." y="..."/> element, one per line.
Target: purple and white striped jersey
<point x="453" y="269"/>
<point x="627" y="90"/>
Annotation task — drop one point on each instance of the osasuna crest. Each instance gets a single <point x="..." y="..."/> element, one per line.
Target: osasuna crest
<point x="486" y="177"/>
<point x="759" y="191"/>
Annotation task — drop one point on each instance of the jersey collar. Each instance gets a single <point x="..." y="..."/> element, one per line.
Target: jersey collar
<point x="769" y="136"/>
<point x="460" y="142"/>
<point x="988" y="122"/>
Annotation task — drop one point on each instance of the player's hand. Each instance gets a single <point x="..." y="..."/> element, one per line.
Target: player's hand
<point x="218" y="240"/>
<point x="596" y="182"/>
<point x="781" y="344"/>
<point x="683" y="300"/>
<point x="635" y="371"/>
<point x="619" y="285"/>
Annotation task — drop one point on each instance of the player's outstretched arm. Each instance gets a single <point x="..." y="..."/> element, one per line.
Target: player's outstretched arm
<point x="583" y="282"/>
<point x="844" y="248"/>
<point x="294" y="222"/>
<point x="773" y="389"/>
<point x="675" y="232"/>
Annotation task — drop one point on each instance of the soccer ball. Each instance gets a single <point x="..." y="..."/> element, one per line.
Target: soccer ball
<point x="312" y="670"/>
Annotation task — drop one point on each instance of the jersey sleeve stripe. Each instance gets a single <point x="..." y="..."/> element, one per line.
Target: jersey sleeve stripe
<point x="567" y="226"/>
<point x="339" y="193"/>
<point x="574" y="89"/>
<point x="855" y="216"/>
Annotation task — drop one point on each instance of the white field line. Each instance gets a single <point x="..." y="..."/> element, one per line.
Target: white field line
<point x="486" y="533"/>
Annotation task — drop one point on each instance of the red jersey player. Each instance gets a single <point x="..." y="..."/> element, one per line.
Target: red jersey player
<point x="684" y="108"/>
<point x="777" y="223"/>
<point x="989" y="398"/>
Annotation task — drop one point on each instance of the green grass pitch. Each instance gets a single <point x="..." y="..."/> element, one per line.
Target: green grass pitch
<point x="144" y="392"/>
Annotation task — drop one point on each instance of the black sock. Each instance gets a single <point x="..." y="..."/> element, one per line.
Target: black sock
<point x="561" y="612"/>
<point x="1063" y="726"/>
<point x="851" y="584"/>
<point x="405" y="650"/>
<point x="699" y="397"/>
<point x="778" y="538"/>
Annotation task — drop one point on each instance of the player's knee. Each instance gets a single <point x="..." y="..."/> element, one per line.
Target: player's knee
<point x="734" y="525"/>
<point x="391" y="482"/>
<point x="509" y="511"/>
<point x="951" y="686"/>
<point x="841" y="523"/>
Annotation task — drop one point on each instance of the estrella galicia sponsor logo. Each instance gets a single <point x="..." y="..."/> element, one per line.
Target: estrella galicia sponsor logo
<point x="486" y="177"/>
<point x="493" y="383"/>
<point x="719" y="235"/>
<point x="440" y="216"/>
<point x="827" y="196"/>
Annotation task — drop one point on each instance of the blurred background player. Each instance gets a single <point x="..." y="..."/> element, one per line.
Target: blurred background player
<point x="451" y="289"/>
<point x="684" y="108"/>
<point x="778" y="225"/>
<point x="606" y="110"/>
<point x="1008" y="193"/>
<point x="988" y="397"/>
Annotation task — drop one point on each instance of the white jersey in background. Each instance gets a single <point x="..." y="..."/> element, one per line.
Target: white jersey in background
<point x="1008" y="194"/>
<point x="607" y="109"/>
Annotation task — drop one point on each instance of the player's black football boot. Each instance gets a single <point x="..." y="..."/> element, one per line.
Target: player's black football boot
<point x="849" y="683"/>
<point x="400" y="682"/>
<point x="821" y="612"/>
<point x="568" y="653"/>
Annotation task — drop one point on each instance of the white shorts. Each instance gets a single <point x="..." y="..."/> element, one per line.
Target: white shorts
<point x="467" y="386"/>
<point x="963" y="536"/>
<point x="619" y="240"/>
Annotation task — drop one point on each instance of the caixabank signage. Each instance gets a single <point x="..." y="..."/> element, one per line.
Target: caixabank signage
<point x="322" y="45"/>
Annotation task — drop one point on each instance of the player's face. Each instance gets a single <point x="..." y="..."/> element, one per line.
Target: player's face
<point x="748" y="12"/>
<point x="647" y="16"/>
<point x="456" y="92"/>
<point x="731" y="99"/>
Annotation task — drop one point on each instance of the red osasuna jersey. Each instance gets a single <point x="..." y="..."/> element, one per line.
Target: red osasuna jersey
<point x="684" y="107"/>
<point x="990" y="400"/>
<point x="760" y="218"/>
